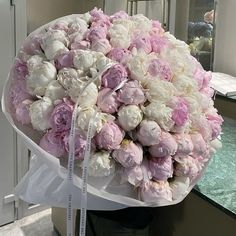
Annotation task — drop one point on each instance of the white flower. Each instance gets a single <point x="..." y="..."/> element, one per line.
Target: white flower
<point x="101" y="164"/>
<point x="55" y="91"/>
<point x="86" y="114"/>
<point x="54" y="35"/>
<point x="138" y="67"/>
<point x="86" y="17"/>
<point x="193" y="102"/>
<point x="129" y="117"/>
<point x="159" y="90"/>
<point x="184" y="84"/>
<point x="160" y="113"/>
<point x="101" y="61"/>
<point x="83" y="60"/>
<point x="67" y="76"/>
<point x="77" y="27"/>
<point x="179" y="187"/>
<point x="87" y="97"/>
<point x="101" y="45"/>
<point x="34" y="61"/>
<point x="119" y="36"/>
<point x="54" y="49"/>
<point x="40" y="112"/>
<point x="40" y="77"/>
<point x="141" y="23"/>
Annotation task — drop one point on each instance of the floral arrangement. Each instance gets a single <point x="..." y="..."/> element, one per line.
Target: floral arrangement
<point x="155" y="122"/>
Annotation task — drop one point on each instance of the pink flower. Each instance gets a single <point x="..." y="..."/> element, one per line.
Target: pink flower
<point x="199" y="145"/>
<point x="215" y="122"/>
<point x="80" y="145"/>
<point x="18" y="92"/>
<point x="101" y="45"/>
<point x="52" y="142"/>
<point x="185" y="144"/>
<point x="32" y="45"/>
<point x="161" y="168"/>
<point x="180" y="111"/>
<point x="61" y="116"/>
<point x="114" y="76"/>
<point x="20" y="69"/>
<point x="107" y="101"/>
<point x="166" y="147"/>
<point x="120" y="55"/>
<point x="157" y="29"/>
<point x="131" y="93"/>
<point x="80" y="45"/>
<point x="160" y="68"/>
<point x="60" y="25"/>
<point x="119" y="15"/>
<point x="99" y="16"/>
<point x="109" y="137"/>
<point x="158" y="43"/>
<point x="96" y="33"/>
<point x="64" y="60"/>
<point x="128" y="154"/>
<point x="142" y="43"/>
<point x="22" y="112"/>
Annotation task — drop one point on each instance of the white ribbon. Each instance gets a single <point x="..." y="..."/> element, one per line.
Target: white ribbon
<point x="85" y="164"/>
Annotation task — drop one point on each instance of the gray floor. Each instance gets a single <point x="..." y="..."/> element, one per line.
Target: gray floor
<point x="38" y="224"/>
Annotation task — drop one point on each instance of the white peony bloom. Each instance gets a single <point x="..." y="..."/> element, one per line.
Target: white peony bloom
<point x="129" y="117"/>
<point x="54" y="35"/>
<point x="88" y="97"/>
<point x="184" y="84"/>
<point x="194" y="105"/>
<point x="160" y="113"/>
<point x="34" y="61"/>
<point x="54" y="49"/>
<point x="55" y="91"/>
<point x="119" y="36"/>
<point x="101" y="164"/>
<point x="83" y="60"/>
<point x="86" y="114"/>
<point x="67" y="77"/>
<point x="40" y="77"/>
<point x="77" y="27"/>
<point x="40" y="112"/>
<point x="138" y="66"/>
<point x="141" y="23"/>
<point x="179" y="187"/>
<point x="160" y="90"/>
<point x="86" y="17"/>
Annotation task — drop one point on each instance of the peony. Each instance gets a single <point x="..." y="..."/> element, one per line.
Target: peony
<point x="64" y="60"/>
<point x="52" y="142"/>
<point x="101" y="45"/>
<point x="142" y="43"/>
<point x="185" y="144"/>
<point x="114" y="76"/>
<point x="120" y="55"/>
<point x="128" y="154"/>
<point x="22" y="112"/>
<point x="40" y="113"/>
<point x="61" y="116"/>
<point x="55" y="91"/>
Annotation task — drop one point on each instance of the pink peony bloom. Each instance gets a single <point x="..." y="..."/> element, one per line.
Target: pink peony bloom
<point x="141" y="43"/>
<point x="100" y="17"/>
<point x="114" y="76"/>
<point x="61" y="116"/>
<point x="153" y="191"/>
<point x="20" y="69"/>
<point x="158" y="43"/>
<point x="60" y="25"/>
<point x="199" y="145"/>
<point x="133" y="175"/>
<point x="18" y="92"/>
<point x="32" y="45"/>
<point x="161" y="168"/>
<point x="107" y="101"/>
<point x="180" y="112"/>
<point x="52" y="142"/>
<point x="109" y="137"/>
<point x="128" y="154"/>
<point x="185" y="144"/>
<point x="215" y="122"/>
<point x="166" y="147"/>
<point x="161" y="69"/>
<point x="120" y="55"/>
<point x="149" y="133"/>
<point x="131" y="93"/>
<point x="80" y="145"/>
<point x="156" y="28"/>
<point x="119" y="15"/>
<point x="96" y="33"/>
<point x="22" y="112"/>
<point x="80" y="45"/>
<point x="64" y="60"/>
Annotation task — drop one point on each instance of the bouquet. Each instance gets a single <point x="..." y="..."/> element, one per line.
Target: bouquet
<point x="154" y="126"/>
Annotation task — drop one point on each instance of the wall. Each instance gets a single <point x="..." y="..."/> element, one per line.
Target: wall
<point x="43" y="11"/>
<point x="225" y="46"/>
